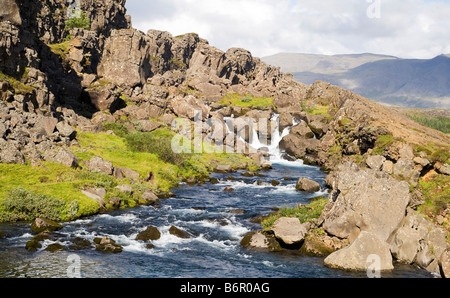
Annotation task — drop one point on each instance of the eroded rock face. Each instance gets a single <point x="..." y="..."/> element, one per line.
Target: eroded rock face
<point x="10" y="12"/>
<point x="126" y="58"/>
<point x="368" y="200"/>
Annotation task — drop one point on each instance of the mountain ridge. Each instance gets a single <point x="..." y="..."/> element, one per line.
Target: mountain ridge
<point x="420" y="83"/>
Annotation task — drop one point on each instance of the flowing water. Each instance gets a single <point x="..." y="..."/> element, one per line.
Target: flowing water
<point x="206" y="212"/>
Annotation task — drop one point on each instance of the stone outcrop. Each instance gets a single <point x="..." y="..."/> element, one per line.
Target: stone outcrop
<point x="289" y="230"/>
<point x="367" y="200"/>
<point x="366" y="252"/>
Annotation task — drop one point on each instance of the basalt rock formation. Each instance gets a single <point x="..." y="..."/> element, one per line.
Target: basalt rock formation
<point x="56" y="79"/>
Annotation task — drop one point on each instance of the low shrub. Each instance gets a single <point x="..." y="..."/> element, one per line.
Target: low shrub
<point x="27" y="205"/>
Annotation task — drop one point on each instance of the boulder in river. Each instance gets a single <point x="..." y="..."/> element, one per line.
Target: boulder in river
<point x="151" y="233"/>
<point x="260" y="241"/>
<point x="179" y="233"/>
<point x="107" y="245"/>
<point x="305" y="184"/>
<point x="45" y="225"/>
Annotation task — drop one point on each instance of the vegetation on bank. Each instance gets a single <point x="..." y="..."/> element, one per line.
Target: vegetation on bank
<point x="304" y="213"/>
<point x="54" y="191"/>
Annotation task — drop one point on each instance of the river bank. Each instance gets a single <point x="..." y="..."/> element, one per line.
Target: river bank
<point x="206" y="212"/>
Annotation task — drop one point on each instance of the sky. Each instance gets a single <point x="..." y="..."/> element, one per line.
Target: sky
<point x="402" y="28"/>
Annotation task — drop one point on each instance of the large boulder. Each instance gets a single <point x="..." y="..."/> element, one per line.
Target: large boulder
<point x="431" y="249"/>
<point x="63" y="156"/>
<point x="299" y="146"/>
<point x="405" y="242"/>
<point x="366" y="252"/>
<point x="369" y="200"/>
<point x="289" y="230"/>
<point x="302" y="129"/>
<point x="98" y="164"/>
<point x="420" y="242"/>
<point x="308" y="185"/>
<point x="151" y="233"/>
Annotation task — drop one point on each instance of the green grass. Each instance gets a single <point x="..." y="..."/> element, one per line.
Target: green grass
<point x="382" y="143"/>
<point x="52" y="181"/>
<point x="60" y="49"/>
<point x="304" y="213"/>
<point x="54" y="191"/>
<point x="436" y="193"/>
<point x="246" y="101"/>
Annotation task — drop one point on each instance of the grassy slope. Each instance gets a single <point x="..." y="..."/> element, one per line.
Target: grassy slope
<point x="66" y="183"/>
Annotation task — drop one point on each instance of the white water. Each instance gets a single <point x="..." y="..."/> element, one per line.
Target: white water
<point x="273" y="147"/>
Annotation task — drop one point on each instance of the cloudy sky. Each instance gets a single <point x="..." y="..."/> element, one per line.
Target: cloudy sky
<point x="403" y="28"/>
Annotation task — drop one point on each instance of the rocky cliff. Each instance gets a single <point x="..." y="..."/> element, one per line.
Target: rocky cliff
<point x="57" y="79"/>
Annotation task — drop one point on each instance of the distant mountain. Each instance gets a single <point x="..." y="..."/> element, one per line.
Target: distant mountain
<point x="414" y="83"/>
<point x="323" y="64"/>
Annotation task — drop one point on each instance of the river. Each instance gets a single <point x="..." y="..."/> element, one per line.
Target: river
<point x="204" y="211"/>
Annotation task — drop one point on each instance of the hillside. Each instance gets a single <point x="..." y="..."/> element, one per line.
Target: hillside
<point x="414" y="83"/>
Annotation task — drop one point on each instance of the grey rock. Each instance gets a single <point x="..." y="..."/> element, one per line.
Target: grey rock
<point x="367" y="199"/>
<point x="98" y="164"/>
<point x="305" y="184"/>
<point x="444" y="263"/>
<point x="289" y="230"/>
<point x="65" y="129"/>
<point x="223" y="169"/>
<point x="375" y="161"/>
<point x="405" y="242"/>
<point x="358" y="255"/>
<point x="260" y="241"/>
<point x="149" y="197"/>
<point x="125" y="188"/>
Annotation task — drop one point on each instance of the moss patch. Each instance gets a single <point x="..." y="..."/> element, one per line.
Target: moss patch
<point x="17" y="86"/>
<point x="246" y="101"/>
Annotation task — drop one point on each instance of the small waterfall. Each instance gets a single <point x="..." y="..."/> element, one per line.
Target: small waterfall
<point x="272" y="145"/>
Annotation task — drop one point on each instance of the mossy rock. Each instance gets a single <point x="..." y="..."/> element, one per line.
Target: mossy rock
<point x="179" y="233"/>
<point x="54" y="247"/>
<point x="33" y="245"/>
<point x="40" y="225"/>
<point x="314" y="246"/>
<point x="107" y="245"/>
<point x="261" y="241"/>
<point x="151" y="233"/>
<point x="80" y="243"/>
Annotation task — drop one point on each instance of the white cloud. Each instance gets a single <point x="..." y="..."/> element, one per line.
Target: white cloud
<point x="406" y="28"/>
